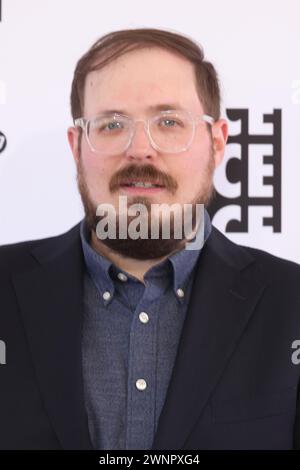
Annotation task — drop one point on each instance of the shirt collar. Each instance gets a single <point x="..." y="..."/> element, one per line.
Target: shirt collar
<point x="177" y="266"/>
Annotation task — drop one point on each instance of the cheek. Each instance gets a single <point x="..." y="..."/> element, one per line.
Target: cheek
<point x="95" y="172"/>
<point x="192" y="168"/>
<point x="193" y="173"/>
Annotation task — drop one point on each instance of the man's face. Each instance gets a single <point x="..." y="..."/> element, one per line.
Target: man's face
<point x="133" y="83"/>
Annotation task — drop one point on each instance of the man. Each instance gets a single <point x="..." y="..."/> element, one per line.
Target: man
<point x="142" y="343"/>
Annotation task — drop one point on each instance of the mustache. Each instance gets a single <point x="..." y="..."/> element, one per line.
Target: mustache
<point x="146" y="173"/>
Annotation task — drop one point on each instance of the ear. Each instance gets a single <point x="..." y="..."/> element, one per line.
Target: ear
<point x="73" y="138"/>
<point x="219" y="136"/>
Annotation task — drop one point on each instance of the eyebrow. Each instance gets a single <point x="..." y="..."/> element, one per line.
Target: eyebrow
<point x="157" y="107"/>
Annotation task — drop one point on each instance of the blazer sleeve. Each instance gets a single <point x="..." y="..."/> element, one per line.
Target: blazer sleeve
<point x="297" y="423"/>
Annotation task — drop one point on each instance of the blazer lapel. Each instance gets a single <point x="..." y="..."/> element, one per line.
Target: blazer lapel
<point x="50" y="296"/>
<point x="227" y="286"/>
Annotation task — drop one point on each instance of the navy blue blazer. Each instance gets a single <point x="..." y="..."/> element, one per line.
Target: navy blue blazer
<point x="234" y="384"/>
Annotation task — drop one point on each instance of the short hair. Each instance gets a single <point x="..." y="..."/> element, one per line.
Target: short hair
<point x="117" y="43"/>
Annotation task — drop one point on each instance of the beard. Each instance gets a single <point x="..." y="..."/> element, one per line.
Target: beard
<point x="145" y="248"/>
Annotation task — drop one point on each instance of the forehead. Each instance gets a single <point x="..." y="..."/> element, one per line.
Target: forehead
<point x="140" y="79"/>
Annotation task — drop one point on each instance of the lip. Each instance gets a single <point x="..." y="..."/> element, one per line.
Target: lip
<point x="135" y="190"/>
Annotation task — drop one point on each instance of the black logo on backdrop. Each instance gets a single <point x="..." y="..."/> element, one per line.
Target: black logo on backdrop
<point x="237" y="170"/>
<point x="3" y="141"/>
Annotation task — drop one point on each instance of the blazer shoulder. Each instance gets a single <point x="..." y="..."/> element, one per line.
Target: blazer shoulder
<point x="272" y="265"/>
<point x="274" y="262"/>
<point x="18" y="256"/>
<point x="282" y="272"/>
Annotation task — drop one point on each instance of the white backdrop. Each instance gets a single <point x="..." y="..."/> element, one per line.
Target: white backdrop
<point x="254" y="46"/>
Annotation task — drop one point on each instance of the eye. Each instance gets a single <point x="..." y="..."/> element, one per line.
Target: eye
<point x="172" y="121"/>
<point x="112" y="125"/>
<point x="169" y="123"/>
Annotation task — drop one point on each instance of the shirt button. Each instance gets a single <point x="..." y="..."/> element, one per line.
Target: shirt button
<point x="106" y="295"/>
<point x="180" y="292"/>
<point x="141" y="384"/>
<point x="122" y="276"/>
<point x="144" y="317"/>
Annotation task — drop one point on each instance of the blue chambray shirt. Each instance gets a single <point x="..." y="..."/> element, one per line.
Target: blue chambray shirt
<point x="130" y="337"/>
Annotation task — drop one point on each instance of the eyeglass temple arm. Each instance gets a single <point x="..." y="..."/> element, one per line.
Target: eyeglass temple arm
<point x="80" y="122"/>
<point x="207" y="118"/>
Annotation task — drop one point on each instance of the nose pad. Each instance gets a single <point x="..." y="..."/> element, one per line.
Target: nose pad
<point x="136" y="136"/>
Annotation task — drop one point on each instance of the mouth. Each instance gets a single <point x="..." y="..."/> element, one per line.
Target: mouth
<point x="147" y="187"/>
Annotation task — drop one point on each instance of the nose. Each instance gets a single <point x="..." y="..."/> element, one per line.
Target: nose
<point x="140" y="146"/>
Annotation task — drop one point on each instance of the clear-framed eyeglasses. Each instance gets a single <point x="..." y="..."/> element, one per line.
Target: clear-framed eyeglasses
<point x="170" y="131"/>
